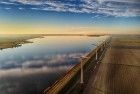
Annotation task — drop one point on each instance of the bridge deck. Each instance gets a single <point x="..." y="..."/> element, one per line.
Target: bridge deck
<point x="119" y="71"/>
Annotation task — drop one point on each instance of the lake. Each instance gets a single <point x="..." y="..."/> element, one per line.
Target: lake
<point x="33" y="67"/>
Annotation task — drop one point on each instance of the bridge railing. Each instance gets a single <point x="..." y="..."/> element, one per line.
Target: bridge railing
<point x="62" y="82"/>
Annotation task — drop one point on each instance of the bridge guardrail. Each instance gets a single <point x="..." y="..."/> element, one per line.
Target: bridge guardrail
<point x="60" y="83"/>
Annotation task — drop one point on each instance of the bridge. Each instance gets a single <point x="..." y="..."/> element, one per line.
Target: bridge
<point x="72" y="76"/>
<point x="112" y="68"/>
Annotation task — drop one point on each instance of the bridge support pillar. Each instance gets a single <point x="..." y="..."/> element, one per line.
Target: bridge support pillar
<point x="81" y="81"/>
<point x="96" y="54"/>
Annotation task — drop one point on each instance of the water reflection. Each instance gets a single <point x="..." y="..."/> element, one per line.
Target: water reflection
<point x="33" y="67"/>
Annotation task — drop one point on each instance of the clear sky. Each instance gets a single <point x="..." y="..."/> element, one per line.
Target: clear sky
<point x="70" y="16"/>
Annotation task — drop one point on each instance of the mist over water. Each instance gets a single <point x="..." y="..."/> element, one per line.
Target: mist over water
<point x="33" y="67"/>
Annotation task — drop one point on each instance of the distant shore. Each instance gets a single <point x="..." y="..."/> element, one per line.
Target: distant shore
<point x="16" y="40"/>
<point x="12" y="41"/>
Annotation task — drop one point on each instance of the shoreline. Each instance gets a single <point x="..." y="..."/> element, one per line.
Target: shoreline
<point x="16" y="41"/>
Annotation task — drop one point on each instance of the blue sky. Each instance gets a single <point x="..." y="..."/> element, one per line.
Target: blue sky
<point x="71" y="13"/>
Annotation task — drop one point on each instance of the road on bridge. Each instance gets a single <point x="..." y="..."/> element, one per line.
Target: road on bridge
<point x="119" y="71"/>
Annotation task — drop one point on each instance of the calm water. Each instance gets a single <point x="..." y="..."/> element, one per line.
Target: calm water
<point x="33" y="67"/>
